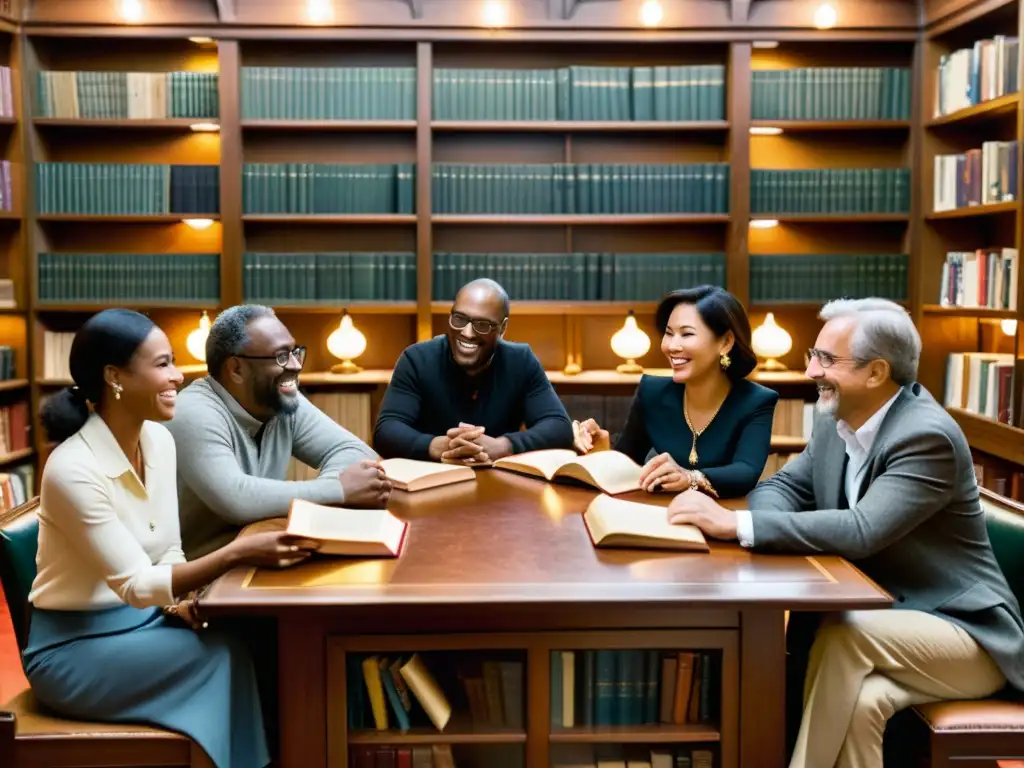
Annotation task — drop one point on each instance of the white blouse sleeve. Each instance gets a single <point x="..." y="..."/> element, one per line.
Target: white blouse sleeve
<point x="79" y="505"/>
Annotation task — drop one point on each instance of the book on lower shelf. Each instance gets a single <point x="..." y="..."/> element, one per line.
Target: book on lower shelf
<point x="634" y="687"/>
<point x="630" y="756"/>
<point x="386" y="756"/>
<point x="608" y="471"/>
<point x="632" y="524"/>
<point x="447" y="693"/>
<point x="349" y="532"/>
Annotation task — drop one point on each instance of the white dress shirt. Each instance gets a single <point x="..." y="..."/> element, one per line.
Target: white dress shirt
<point x="858" y="448"/>
<point x="105" y="538"/>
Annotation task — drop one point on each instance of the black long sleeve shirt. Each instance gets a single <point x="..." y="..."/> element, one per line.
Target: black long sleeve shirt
<point x="430" y="393"/>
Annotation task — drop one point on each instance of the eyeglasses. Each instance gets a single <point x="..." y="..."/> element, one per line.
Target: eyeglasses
<point x="283" y="357"/>
<point x="458" y="321"/>
<point x="826" y="359"/>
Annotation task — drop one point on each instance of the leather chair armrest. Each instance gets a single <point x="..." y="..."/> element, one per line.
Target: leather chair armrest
<point x="8" y="728"/>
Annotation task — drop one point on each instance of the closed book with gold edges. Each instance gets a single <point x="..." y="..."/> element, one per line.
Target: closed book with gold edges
<point x="414" y="475"/>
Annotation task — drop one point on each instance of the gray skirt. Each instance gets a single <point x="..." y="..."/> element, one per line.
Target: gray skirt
<point x="130" y="665"/>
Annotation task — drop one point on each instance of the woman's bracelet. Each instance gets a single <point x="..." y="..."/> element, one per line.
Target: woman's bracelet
<point x="698" y="482"/>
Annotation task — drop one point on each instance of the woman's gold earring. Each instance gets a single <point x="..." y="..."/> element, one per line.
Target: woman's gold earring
<point x="117" y="390"/>
<point x="724" y="361"/>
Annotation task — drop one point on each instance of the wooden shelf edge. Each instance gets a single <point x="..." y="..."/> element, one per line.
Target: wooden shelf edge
<point x="565" y="307"/>
<point x="335" y="307"/>
<point x="598" y="219"/>
<point x="578" y="126"/>
<point x="938" y="309"/>
<point x="991" y="108"/>
<point x="632" y="734"/>
<point x="139" y="306"/>
<point x="832" y="125"/>
<point x="990" y="209"/>
<point x="127" y="218"/>
<point x="433" y="736"/>
<point x="13" y="456"/>
<point x="992" y="437"/>
<point x="330" y="218"/>
<point x="832" y="218"/>
<point x="167" y="124"/>
<point x="8" y="385"/>
<point x="328" y="125"/>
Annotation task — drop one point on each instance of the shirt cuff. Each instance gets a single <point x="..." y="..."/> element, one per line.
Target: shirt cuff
<point x="744" y="528"/>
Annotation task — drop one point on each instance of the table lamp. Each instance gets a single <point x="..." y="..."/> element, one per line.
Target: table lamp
<point x="346" y="343"/>
<point x="770" y="341"/>
<point x="196" y="341"/>
<point x="629" y="343"/>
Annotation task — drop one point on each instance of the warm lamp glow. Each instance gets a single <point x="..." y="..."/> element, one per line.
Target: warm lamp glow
<point x="765" y="130"/>
<point x="1008" y="327"/>
<point x="771" y="341"/>
<point x="825" y="17"/>
<point x="763" y="223"/>
<point x="346" y="343"/>
<point x="320" y="11"/>
<point x="651" y="13"/>
<point x="201" y="40"/>
<point x="765" y="44"/>
<point x="495" y="13"/>
<point x="629" y="343"/>
<point x="198" y="224"/>
<point x="196" y="341"/>
<point x="205" y="127"/>
<point x="130" y="10"/>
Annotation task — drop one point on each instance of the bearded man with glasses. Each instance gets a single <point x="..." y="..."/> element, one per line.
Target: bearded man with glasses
<point x="237" y="429"/>
<point x="886" y="481"/>
<point x="462" y="397"/>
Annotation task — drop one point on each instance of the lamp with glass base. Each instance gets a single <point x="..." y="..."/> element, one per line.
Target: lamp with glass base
<point x="346" y="343"/>
<point x="629" y="343"/>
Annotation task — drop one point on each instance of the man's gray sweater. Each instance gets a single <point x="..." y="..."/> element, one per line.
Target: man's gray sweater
<point x="226" y="480"/>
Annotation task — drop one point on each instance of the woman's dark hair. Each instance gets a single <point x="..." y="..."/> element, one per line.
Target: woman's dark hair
<point x="721" y="312"/>
<point x="109" y="338"/>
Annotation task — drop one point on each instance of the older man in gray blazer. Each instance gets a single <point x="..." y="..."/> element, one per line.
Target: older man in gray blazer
<point x="886" y="481"/>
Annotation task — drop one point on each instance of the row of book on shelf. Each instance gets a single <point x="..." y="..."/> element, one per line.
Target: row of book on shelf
<point x="971" y="76"/>
<point x="127" y="188"/>
<point x="982" y="383"/>
<point x="127" y="95"/>
<point x="482" y="188"/>
<point x="985" y="278"/>
<point x="608" y="687"/>
<point x="112" y="277"/>
<point x="982" y="176"/>
<point x="563" y="756"/>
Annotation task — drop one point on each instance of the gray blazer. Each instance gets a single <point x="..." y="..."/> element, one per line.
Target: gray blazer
<point x="918" y="529"/>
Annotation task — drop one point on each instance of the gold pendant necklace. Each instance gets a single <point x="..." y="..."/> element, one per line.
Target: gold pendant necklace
<point x="693" y="457"/>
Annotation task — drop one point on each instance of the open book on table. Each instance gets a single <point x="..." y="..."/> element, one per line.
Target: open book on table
<point x="413" y="475"/>
<point x="609" y="471"/>
<point x="630" y="524"/>
<point x="353" y="532"/>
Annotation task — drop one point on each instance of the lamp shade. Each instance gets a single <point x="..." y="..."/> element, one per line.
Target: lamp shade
<point x="196" y="341"/>
<point x="629" y="343"/>
<point x="346" y="343"/>
<point x="771" y="341"/>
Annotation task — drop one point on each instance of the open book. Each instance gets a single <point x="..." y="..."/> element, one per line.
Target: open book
<point x="412" y="475"/>
<point x="628" y="524"/>
<point x="354" y="532"/>
<point x="610" y="471"/>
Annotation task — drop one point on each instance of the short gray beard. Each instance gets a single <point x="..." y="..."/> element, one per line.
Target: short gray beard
<point x="828" y="408"/>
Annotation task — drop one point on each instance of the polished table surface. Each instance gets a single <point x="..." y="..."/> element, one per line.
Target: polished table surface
<point x="511" y="539"/>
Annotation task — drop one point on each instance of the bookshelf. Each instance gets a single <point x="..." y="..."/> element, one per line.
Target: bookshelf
<point x="969" y="292"/>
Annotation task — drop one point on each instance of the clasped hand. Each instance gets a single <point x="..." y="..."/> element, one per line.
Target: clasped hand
<point x="468" y="444"/>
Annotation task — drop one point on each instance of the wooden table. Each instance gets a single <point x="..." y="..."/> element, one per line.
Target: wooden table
<point x="506" y="563"/>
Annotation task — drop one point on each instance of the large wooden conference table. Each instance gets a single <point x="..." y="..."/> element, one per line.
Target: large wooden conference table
<point x="505" y="562"/>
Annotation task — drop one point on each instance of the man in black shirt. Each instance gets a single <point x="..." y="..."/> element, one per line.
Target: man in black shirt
<point x="462" y="397"/>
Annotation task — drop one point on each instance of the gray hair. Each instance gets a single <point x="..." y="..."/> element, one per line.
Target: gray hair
<point x="884" y="332"/>
<point x="229" y="334"/>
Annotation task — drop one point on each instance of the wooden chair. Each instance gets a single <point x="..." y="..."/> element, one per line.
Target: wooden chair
<point x="37" y="739"/>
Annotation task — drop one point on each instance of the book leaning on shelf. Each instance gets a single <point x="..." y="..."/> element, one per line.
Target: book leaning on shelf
<point x="351" y="532"/>
<point x="389" y="681"/>
<point x="610" y="471"/>
<point x="630" y="524"/>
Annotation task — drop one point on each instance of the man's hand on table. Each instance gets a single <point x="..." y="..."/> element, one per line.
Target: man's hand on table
<point x="365" y="485"/>
<point x="696" y="508"/>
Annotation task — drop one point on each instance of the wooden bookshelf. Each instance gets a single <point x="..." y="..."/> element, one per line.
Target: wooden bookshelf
<point x="972" y="223"/>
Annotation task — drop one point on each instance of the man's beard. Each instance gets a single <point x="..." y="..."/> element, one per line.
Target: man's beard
<point x="269" y="396"/>
<point x="830" y="405"/>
